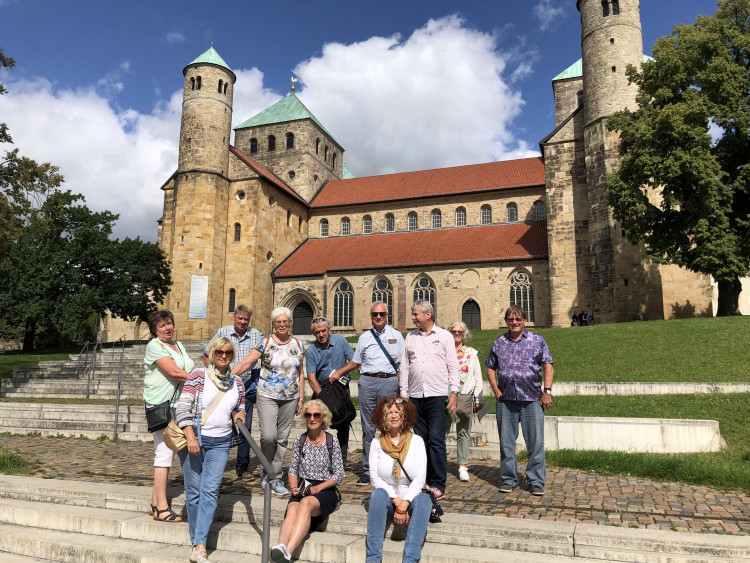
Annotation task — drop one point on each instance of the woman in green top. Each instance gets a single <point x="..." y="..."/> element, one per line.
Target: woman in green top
<point x="167" y="368"/>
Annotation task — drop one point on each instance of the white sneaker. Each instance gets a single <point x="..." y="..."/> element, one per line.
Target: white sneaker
<point x="463" y="474"/>
<point x="278" y="488"/>
<point x="279" y="554"/>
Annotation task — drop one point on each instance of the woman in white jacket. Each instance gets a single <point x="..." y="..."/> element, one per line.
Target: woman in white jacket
<point x="398" y="466"/>
<point x="470" y="394"/>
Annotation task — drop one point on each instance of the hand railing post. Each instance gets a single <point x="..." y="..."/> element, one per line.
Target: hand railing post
<point x="92" y="371"/>
<point x="119" y="386"/>
<point x="266" y="549"/>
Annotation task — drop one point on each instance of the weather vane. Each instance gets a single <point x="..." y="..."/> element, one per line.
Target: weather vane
<point x="293" y="81"/>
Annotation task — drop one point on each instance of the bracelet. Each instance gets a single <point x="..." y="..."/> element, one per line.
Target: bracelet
<point x="401" y="511"/>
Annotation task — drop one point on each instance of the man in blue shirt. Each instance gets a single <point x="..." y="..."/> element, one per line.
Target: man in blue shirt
<point x="520" y="372"/>
<point x="378" y="371"/>
<point x="323" y="357"/>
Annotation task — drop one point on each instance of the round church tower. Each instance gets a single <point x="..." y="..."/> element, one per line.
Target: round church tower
<point x="206" y="114"/>
<point x="611" y="39"/>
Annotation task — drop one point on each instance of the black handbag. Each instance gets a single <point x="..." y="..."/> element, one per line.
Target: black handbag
<point x="437" y="510"/>
<point x="158" y="416"/>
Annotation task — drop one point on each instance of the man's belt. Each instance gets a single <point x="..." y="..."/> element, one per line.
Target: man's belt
<point x="381" y="375"/>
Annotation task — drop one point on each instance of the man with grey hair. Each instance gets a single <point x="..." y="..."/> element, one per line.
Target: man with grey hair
<point x="328" y="353"/>
<point x="430" y="377"/>
<point x="244" y="338"/>
<point x="377" y="357"/>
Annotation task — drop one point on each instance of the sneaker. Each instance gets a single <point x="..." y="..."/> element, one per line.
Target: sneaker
<point x="463" y="474"/>
<point x="279" y="554"/>
<point x="537" y="491"/>
<point x="438" y="493"/>
<point x="278" y="488"/>
<point x="263" y="480"/>
<point x="363" y="481"/>
<point x="506" y="488"/>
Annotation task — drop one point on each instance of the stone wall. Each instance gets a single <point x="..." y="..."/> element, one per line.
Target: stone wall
<point x="566" y="97"/>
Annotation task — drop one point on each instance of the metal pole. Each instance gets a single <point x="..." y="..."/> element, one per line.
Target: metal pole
<point x="92" y="371"/>
<point x="266" y="550"/>
<point x="119" y="384"/>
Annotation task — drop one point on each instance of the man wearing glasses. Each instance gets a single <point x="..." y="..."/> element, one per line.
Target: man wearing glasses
<point x="244" y="338"/>
<point x="328" y="353"/>
<point x="518" y="363"/>
<point x="377" y="358"/>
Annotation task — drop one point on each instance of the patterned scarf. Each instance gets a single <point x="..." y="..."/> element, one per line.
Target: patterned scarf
<point x="221" y="381"/>
<point x="396" y="451"/>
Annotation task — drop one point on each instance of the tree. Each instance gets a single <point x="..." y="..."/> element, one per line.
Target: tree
<point x="683" y="187"/>
<point x="60" y="270"/>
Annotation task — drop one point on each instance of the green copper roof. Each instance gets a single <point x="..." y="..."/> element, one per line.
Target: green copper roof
<point x="286" y="109"/>
<point x="347" y="173"/>
<point x="576" y="69"/>
<point x="211" y="57"/>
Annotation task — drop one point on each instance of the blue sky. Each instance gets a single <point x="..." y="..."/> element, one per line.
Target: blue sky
<point x="403" y="85"/>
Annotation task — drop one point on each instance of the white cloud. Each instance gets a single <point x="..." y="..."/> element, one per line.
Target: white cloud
<point x="175" y="38"/>
<point x="435" y="99"/>
<point x="548" y="11"/>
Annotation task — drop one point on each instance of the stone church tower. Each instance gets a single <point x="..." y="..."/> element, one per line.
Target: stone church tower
<point x="193" y="232"/>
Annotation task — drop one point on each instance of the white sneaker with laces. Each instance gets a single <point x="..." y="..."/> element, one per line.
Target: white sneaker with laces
<point x="463" y="474"/>
<point x="278" y="488"/>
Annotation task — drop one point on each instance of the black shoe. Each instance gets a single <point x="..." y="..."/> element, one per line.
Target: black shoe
<point x="537" y="491"/>
<point x="363" y="481"/>
<point x="506" y="488"/>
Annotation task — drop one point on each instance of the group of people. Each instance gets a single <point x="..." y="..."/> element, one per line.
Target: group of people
<point x="584" y="318"/>
<point x="411" y="390"/>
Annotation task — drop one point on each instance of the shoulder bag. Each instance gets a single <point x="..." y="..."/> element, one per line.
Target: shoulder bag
<point x="174" y="436"/>
<point x="158" y="416"/>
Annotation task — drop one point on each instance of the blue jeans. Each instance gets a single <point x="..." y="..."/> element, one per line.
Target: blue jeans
<point x="431" y="427"/>
<point x="202" y="475"/>
<point x="531" y="416"/>
<point x="382" y="509"/>
<point x="371" y="390"/>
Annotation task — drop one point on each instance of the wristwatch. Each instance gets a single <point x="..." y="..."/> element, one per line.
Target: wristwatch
<point x="548" y="391"/>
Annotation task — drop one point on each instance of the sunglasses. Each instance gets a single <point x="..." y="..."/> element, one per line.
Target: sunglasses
<point x="319" y="320"/>
<point x="515" y="320"/>
<point x="378" y="314"/>
<point x="314" y="415"/>
<point x="228" y="353"/>
<point x="397" y="400"/>
<point x="457" y="332"/>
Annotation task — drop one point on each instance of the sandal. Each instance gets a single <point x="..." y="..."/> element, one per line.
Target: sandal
<point x="172" y="516"/>
<point x="201" y="556"/>
<point x="152" y="509"/>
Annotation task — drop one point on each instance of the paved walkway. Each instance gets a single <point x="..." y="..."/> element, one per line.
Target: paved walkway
<point x="572" y="496"/>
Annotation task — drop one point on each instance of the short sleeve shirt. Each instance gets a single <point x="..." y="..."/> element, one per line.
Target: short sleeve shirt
<point x="157" y="385"/>
<point x="369" y="355"/>
<point x="279" y="375"/>
<point x="518" y="365"/>
<point x="322" y="361"/>
<point x="242" y="344"/>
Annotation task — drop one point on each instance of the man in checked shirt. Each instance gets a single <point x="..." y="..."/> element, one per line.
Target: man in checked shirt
<point x="520" y="372"/>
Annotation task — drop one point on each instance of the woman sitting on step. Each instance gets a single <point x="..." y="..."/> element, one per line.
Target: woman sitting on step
<point x="316" y="468"/>
<point x="398" y="467"/>
<point x="167" y="366"/>
<point x="211" y="400"/>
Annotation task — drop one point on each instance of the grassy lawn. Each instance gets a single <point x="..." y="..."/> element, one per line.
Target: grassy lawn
<point x="11" y="464"/>
<point x="17" y="359"/>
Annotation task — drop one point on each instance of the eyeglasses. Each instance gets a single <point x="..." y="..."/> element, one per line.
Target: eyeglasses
<point x="378" y="314"/>
<point x="282" y="323"/>
<point x="515" y="320"/>
<point x="319" y="320"/>
<point x="228" y="353"/>
<point x="315" y="415"/>
<point x="457" y="332"/>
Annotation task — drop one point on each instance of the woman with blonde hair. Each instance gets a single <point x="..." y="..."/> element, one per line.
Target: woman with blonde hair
<point x="316" y="469"/>
<point x="470" y="395"/>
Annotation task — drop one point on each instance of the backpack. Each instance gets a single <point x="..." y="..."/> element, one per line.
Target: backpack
<point x="338" y="402"/>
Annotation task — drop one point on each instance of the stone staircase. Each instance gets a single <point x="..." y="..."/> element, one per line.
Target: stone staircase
<point x="48" y="520"/>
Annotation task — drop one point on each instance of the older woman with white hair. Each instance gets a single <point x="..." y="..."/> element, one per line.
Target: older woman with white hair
<point x="316" y="468"/>
<point x="280" y="392"/>
<point x="469" y="395"/>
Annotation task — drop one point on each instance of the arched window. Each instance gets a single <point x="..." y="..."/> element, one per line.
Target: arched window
<point x="412" y="221"/>
<point x="232" y="298"/>
<point x="303" y="316"/>
<point x="192" y="83"/>
<point x="522" y="293"/>
<point x="486" y="215"/>
<point x="198" y="83"/>
<point x="225" y="88"/>
<point x="512" y="213"/>
<point x="539" y="211"/>
<point x="325" y="153"/>
<point x="317" y="146"/>
<point x="271" y="143"/>
<point x="221" y="84"/>
<point x="424" y="290"/>
<point x="605" y="8"/>
<point x="460" y="217"/>
<point x="253" y="145"/>
<point x="290" y="140"/>
<point x="237" y="232"/>
<point x="390" y="223"/>
<point x="346" y="226"/>
<point x="288" y="217"/>
<point x="333" y="160"/>
<point x="367" y="224"/>
<point x="615" y="7"/>
<point x="383" y="291"/>
<point x="579" y="97"/>
<point x="437" y="219"/>
<point x="324" y="228"/>
<point x="343" y="305"/>
<point x="471" y="315"/>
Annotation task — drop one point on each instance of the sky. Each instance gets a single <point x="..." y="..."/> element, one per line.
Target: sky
<point x="402" y="84"/>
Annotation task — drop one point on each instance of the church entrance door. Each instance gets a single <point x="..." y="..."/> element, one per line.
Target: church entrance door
<point x="303" y="316"/>
<point x="471" y="315"/>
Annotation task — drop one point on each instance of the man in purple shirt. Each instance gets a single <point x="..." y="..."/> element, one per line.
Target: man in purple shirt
<point x="430" y="378"/>
<point x="518" y="362"/>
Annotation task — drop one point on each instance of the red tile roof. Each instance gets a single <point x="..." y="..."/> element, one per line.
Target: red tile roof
<point x="265" y="173"/>
<point x="463" y="245"/>
<point x="472" y="178"/>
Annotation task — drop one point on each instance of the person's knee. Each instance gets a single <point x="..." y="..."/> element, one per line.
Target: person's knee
<point x="379" y="496"/>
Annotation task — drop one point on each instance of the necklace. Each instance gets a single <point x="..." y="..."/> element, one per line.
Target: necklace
<point x="317" y="440"/>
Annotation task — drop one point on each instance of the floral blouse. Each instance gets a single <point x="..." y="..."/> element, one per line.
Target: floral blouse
<point x="279" y="376"/>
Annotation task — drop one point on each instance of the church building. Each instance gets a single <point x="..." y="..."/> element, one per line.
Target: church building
<point x="276" y="219"/>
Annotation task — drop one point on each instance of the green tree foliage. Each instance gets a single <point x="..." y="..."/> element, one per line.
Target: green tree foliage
<point x="683" y="187"/>
<point x="60" y="270"/>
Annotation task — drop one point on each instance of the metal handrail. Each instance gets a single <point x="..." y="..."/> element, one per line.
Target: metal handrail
<point x="119" y="383"/>
<point x="145" y="336"/>
<point x="190" y="334"/>
<point x="83" y="355"/>
<point x="266" y="549"/>
<point x="92" y="371"/>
